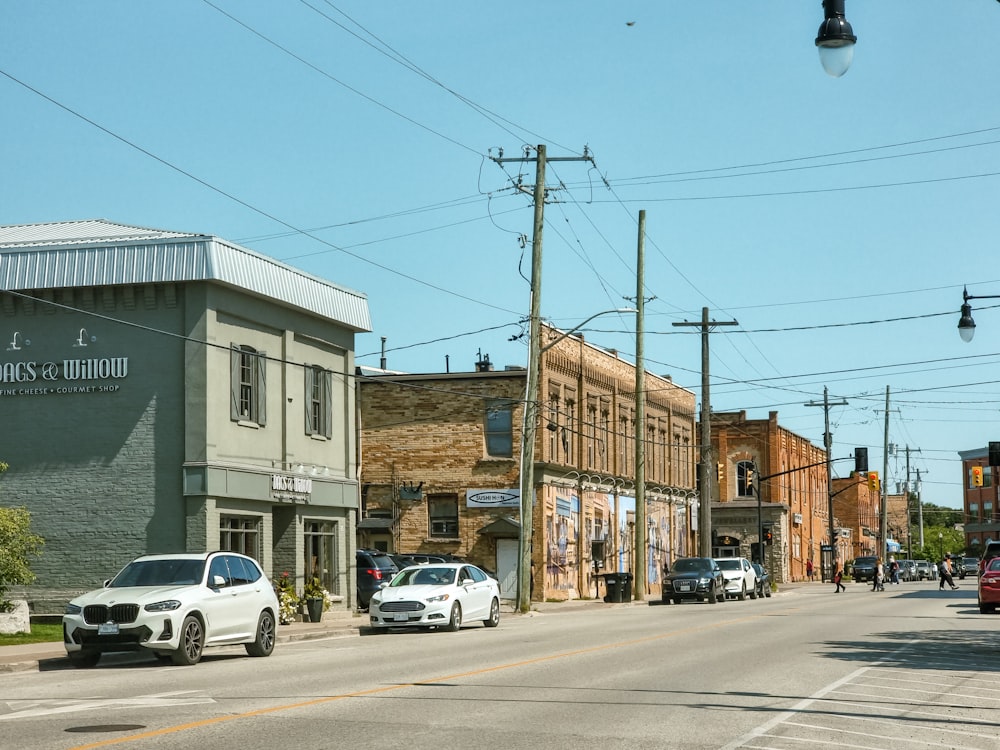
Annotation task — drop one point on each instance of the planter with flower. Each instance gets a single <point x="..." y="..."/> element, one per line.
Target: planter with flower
<point x="316" y="598"/>
<point x="288" y="602"/>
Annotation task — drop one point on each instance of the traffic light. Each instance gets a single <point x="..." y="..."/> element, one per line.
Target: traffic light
<point x="861" y="460"/>
<point x="768" y="534"/>
<point x="873" y="481"/>
<point x="977" y="476"/>
<point x="994" y="453"/>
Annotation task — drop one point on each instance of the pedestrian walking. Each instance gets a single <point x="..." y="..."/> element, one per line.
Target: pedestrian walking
<point x="809" y="569"/>
<point x="878" y="577"/>
<point x="944" y="574"/>
<point x="893" y="570"/>
<point x="837" y="578"/>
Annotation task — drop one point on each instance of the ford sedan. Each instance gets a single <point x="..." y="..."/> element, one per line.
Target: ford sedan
<point x="440" y="595"/>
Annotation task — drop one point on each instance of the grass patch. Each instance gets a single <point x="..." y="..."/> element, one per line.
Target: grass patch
<point x="40" y="633"/>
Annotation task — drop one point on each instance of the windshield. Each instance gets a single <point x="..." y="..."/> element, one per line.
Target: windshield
<point x="692" y="565"/>
<point x="424" y="575"/>
<point x="160" y="573"/>
<point x="729" y="564"/>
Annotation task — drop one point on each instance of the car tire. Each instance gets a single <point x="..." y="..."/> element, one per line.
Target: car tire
<point x="753" y="592"/>
<point x="987" y="609"/>
<point x="712" y="598"/>
<point x="192" y="643"/>
<point x="742" y="596"/>
<point x="85" y="659"/>
<point x="665" y="599"/>
<point x="455" y="621"/>
<point x="494" y="619"/>
<point x="677" y="600"/>
<point x="263" y="643"/>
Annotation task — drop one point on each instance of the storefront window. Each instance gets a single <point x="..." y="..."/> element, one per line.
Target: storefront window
<point x="240" y="534"/>
<point x="321" y="554"/>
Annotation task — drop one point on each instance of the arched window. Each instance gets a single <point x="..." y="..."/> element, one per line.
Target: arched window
<point x="745" y="478"/>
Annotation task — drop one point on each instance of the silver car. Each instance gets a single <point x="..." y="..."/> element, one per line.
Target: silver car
<point x="741" y="580"/>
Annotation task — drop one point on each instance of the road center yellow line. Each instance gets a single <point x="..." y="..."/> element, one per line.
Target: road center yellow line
<point x="389" y="688"/>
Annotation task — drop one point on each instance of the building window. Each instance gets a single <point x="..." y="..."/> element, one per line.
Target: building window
<point x="744" y="478"/>
<point x="322" y="553"/>
<point x="319" y="401"/>
<point x="442" y="512"/>
<point x="499" y="427"/>
<point x="240" y="534"/>
<point x="248" y="398"/>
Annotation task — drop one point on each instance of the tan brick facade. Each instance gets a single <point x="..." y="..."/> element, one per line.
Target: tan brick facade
<point x="433" y="432"/>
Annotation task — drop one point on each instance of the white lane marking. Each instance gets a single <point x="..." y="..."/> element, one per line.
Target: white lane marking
<point x="31" y="709"/>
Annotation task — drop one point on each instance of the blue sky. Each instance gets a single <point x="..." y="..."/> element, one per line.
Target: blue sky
<point x="836" y="219"/>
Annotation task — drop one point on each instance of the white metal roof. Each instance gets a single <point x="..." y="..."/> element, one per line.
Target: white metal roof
<point x="97" y="252"/>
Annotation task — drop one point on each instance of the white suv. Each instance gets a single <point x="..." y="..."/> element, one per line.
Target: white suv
<point x="175" y="606"/>
<point x="741" y="579"/>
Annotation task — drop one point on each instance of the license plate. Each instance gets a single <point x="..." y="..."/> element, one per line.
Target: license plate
<point x="400" y="617"/>
<point x="684" y="587"/>
<point x="107" y="628"/>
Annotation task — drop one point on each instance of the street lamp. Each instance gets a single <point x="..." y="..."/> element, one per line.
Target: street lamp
<point x="835" y="39"/>
<point x="535" y="351"/>
<point x="966" y="325"/>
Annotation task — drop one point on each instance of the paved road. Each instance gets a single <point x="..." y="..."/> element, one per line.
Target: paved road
<point x="908" y="668"/>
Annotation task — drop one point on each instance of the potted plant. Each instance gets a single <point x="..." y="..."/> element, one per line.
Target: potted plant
<point x="315" y="597"/>
<point x="287" y="600"/>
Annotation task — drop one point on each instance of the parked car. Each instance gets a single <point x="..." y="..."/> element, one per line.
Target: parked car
<point x="907" y="570"/>
<point x="991" y="550"/>
<point x="863" y="568"/>
<point x="741" y="580"/>
<point x="965" y="566"/>
<point x="441" y="595"/>
<point x="696" y="578"/>
<point x="374" y="569"/>
<point x="989" y="587"/>
<point x="174" y="606"/>
<point x="763" y="580"/>
<point x="926" y="571"/>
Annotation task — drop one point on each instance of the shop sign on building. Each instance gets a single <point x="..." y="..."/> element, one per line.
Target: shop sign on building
<point x="493" y="498"/>
<point x="291" y="489"/>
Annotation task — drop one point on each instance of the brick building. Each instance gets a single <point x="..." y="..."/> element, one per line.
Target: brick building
<point x="980" y="503"/>
<point x="173" y="392"/>
<point x="794" y="500"/>
<point x="440" y="467"/>
<point x="857" y="509"/>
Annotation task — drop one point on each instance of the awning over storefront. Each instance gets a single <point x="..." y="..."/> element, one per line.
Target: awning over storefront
<point x="505" y="526"/>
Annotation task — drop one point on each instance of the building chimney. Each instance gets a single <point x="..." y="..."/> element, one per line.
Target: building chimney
<point x="483" y="364"/>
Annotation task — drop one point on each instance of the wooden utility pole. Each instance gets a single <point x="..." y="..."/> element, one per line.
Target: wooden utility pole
<point x="883" y="496"/>
<point x="530" y="415"/>
<point x="705" y="469"/>
<point x="828" y="444"/>
<point x="640" y="419"/>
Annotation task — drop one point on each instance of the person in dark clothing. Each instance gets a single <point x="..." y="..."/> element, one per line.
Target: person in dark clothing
<point x="944" y="574"/>
<point x="837" y="578"/>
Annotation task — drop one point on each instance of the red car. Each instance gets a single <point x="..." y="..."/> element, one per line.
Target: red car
<point x="989" y="586"/>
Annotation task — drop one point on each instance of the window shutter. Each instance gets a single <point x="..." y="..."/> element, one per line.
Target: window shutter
<point x="234" y="382"/>
<point x="327" y="414"/>
<point x="261" y="388"/>
<point x="310" y="375"/>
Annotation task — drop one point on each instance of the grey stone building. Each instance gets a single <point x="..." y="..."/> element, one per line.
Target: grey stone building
<point x="164" y="391"/>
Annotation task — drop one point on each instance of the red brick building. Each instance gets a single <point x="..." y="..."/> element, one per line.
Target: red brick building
<point x="794" y="500"/>
<point x="980" y="503"/>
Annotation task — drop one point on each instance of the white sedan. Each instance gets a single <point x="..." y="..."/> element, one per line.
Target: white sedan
<point x="741" y="580"/>
<point x="438" y="595"/>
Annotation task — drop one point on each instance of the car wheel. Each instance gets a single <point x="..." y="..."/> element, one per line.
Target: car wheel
<point x="263" y="644"/>
<point x="192" y="643"/>
<point x="743" y="593"/>
<point x="677" y="600"/>
<point x="665" y="599"/>
<point x="494" y="618"/>
<point x="82" y="659"/>
<point x="456" y="618"/>
<point x="712" y="599"/>
<point x="753" y="592"/>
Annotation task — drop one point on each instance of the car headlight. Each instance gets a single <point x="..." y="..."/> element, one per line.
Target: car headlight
<point x="164" y="606"/>
<point x="73" y="609"/>
<point x="376" y="600"/>
<point x="439" y="598"/>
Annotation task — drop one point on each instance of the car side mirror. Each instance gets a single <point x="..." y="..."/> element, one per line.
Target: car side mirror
<point x="107" y="582"/>
<point x="467" y="582"/>
<point x="218" y="582"/>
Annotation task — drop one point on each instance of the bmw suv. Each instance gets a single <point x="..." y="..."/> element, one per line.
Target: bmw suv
<point x="174" y="606"/>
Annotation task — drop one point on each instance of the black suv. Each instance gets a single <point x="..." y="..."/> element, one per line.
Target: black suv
<point x="864" y="568"/>
<point x="374" y="569"/>
<point x="697" y="578"/>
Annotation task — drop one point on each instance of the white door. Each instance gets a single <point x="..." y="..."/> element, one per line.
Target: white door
<point x="507" y="567"/>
